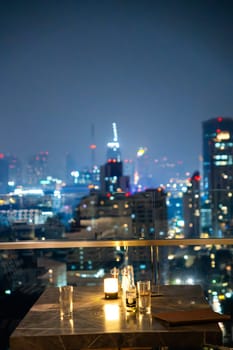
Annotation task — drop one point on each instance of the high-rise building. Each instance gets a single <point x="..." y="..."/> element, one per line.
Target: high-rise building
<point x="111" y="174"/>
<point x="112" y="178"/>
<point x="143" y="174"/>
<point x="191" y="207"/>
<point x="15" y="170"/>
<point x="218" y="173"/>
<point x="37" y="168"/>
<point x="149" y="214"/>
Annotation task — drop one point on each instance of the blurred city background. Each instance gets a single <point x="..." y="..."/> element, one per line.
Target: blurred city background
<point x="118" y="201"/>
<point x="115" y="127"/>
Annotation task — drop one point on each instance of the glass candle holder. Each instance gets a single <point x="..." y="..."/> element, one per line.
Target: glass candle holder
<point x="111" y="288"/>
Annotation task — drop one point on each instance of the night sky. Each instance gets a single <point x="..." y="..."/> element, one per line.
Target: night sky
<point x="156" y="68"/>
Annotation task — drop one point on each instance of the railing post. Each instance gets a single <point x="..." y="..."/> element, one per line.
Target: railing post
<point x="152" y="261"/>
<point x="155" y="268"/>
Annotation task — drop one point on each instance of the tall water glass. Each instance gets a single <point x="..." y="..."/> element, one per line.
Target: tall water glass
<point x="144" y="296"/>
<point x="66" y="301"/>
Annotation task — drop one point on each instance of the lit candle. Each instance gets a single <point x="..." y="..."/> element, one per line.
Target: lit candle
<point x="111" y="288"/>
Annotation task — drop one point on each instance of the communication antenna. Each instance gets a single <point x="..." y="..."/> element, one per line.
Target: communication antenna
<point x="113" y="146"/>
<point x="115" y="136"/>
<point x="92" y="146"/>
<point x="114" y="143"/>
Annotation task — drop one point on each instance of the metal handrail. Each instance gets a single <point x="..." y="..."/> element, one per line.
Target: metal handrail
<point x="48" y="244"/>
<point x="216" y="347"/>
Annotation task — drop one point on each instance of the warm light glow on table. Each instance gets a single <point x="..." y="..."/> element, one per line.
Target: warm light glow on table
<point x="112" y="312"/>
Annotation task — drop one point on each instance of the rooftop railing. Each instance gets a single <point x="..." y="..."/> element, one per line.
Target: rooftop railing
<point x="34" y="263"/>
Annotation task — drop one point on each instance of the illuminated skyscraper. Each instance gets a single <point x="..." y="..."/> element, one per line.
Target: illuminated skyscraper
<point x="111" y="174"/>
<point x="191" y="207"/>
<point x="218" y="173"/>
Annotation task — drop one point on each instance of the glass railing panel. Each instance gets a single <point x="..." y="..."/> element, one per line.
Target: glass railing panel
<point x="26" y="271"/>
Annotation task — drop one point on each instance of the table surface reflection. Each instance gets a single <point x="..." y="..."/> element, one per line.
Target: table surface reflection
<point x="99" y="323"/>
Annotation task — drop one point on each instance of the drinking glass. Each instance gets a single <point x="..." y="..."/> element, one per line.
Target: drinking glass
<point x="144" y="296"/>
<point x="66" y="301"/>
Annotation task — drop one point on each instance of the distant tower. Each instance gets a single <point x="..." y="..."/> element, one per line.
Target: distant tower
<point x="111" y="174"/>
<point x="218" y="173"/>
<point x="92" y="146"/>
<point x="113" y="147"/>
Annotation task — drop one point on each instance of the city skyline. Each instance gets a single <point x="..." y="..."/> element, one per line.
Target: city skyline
<point x="156" y="68"/>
